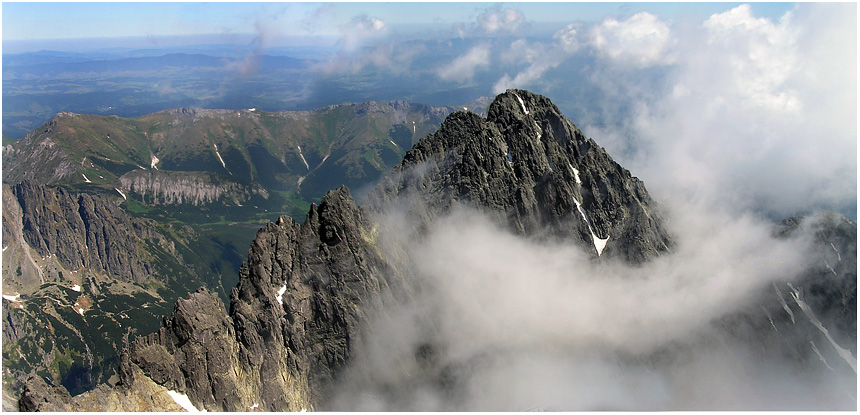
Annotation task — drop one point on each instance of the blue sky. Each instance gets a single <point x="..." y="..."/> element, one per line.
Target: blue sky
<point x="70" y="20"/>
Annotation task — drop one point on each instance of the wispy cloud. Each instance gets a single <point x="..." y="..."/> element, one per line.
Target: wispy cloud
<point x="642" y="40"/>
<point x="463" y="68"/>
<point x="498" y="20"/>
<point x="360" y="31"/>
<point x="729" y="120"/>
<point x="367" y="41"/>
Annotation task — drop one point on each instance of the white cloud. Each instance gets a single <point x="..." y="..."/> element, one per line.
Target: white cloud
<point x="752" y="116"/>
<point x="498" y="20"/>
<point x="359" y="31"/>
<point x="367" y="41"/>
<point x="642" y="40"/>
<point x="516" y="325"/>
<point x="568" y="38"/>
<point x="761" y="55"/>
<point x="540" y="57"/>
<point x="463" y="68"/>
<point x="528" y="75"/>
<point x="756" y="113"/>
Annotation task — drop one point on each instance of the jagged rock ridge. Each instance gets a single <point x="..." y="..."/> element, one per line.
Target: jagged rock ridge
<point x="293" y="321"/>
<point x="78" y="273"/>
<point x="305" y="291"/>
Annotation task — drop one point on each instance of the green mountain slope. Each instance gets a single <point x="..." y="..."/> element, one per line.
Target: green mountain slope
<point x="228" y="158"/>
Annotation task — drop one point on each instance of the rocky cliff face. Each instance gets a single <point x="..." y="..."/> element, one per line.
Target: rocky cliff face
<point x="294" y="319"/>
<point x="305" y="292"/>
<point x="54" y="164"/>
<point x="792" y="317"/>
<point x="79" y="275"/>
<point x="192" y="188"/>
<point x="81" y="230"/>
<point x="531" y="167"/>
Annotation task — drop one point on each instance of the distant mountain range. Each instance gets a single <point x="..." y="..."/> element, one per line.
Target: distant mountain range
<point x="311" y="296"/>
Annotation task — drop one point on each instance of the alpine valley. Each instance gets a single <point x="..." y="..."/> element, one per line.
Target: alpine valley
<point x="398" y="256"/>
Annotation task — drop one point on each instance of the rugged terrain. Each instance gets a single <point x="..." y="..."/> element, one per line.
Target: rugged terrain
<point x="154" y="207"/>
<point x="309" y="294"/>
<point x="81" y="276"/>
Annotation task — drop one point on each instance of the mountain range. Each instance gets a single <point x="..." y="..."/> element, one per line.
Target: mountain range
<point x="161" y="205"/>
<point x="316" y="301"/>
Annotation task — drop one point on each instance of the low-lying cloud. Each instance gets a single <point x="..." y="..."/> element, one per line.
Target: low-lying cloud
<point x="501" y="322"/>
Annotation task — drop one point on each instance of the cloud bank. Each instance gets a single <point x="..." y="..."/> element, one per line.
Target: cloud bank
<point x="502" y="323"/>
<point x="643" y="40"/>
<point x="757" y="114"/>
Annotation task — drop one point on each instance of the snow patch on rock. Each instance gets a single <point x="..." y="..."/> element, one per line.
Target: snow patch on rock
<point x="599" y="243"/>
<point x="303" y="158"/>
<point x="522" y="104"/>
<point x="182" y="400"/>
<point x="281" y="294"/>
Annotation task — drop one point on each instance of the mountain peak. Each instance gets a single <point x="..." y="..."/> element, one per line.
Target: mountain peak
<point x="528" y="165"/>
<point x="518" y="102"/>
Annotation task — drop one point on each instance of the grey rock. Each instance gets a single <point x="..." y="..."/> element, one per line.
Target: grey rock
<point x="83" y="231"/>
<point x="157" y="187"/>
<point x="295" y="319"/>
<point x="529" y="166"/>
<point x="194" y="353"/>
<point x="808" y="319"/>
<point x="39" y="396"/>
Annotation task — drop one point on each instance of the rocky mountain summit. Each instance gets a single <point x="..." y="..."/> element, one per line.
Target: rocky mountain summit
<point x="308" y="294"/>
<point x="531" y="167"/>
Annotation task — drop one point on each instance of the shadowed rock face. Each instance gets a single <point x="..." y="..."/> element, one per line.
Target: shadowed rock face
<point x="80" y="229"/>
<point x="293" y="323"/>
<point x="296" y="315"/>
<point x="303" y="293"/>
<point x="529" y="166"/>
<point x="824" y="296"/>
